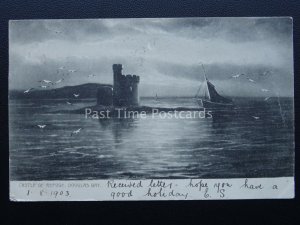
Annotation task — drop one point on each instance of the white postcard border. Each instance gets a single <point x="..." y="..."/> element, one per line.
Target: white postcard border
<point x="153" y="189"/>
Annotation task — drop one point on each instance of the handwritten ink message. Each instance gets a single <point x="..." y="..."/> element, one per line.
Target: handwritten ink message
<point x="153" y="189"/>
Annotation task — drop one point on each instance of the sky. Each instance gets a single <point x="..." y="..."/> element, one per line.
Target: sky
<point x="167" y="54"/>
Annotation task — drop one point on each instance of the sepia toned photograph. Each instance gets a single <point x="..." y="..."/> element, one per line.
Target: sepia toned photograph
<point x="159" y="98"/>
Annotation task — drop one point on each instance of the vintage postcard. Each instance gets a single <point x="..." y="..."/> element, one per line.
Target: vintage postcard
<point x="151" y="109"/>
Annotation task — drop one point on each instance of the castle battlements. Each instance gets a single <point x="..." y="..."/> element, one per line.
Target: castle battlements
<point x="130" y="78"/>
<point x="125" y="91"/>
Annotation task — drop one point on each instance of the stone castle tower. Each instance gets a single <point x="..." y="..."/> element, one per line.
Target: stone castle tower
<point x="125" y="88"/>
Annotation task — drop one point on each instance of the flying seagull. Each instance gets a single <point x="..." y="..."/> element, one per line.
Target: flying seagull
<point x="250" y="80"/>
<point x="264" y="90"/>
<point x="27" y="91"/>
<point x="43" y="86"/>
<point x="267" y="98"/>
<point x="255" y="117"/>
<point x="76" y="131"/>
<point x="69" y="103"/>
<point x="58" y="81"/>
<point x="41" y="126"/>
<point x="91" y="75"/>
<point x="46" y="81"/>
<point x="76" y="95"/>
<point x="61" y="68"/>
<point x="72" y="71"/>
<point x="237" y="76"/>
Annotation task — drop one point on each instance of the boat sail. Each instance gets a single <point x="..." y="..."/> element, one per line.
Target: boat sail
<point x="210" y="98"/>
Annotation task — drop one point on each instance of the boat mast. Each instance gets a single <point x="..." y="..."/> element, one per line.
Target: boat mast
<point x="205" y="80"/>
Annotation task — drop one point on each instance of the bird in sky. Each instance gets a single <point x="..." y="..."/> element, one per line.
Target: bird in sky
<point x="255" y="117"/>
<point x="76" y="95"/>
<point x="264" y="90"/>
<point x="46" y="81"/>
<point x="237" y="76"/>
<point x="250" y="80"/>
<point x="72" y="71"/>
<point x="43" y="86"/>
<point x="28" y="90"/>
<point x="267" y="98"/>
<point x="76" y="131"/>
<point x="58" y="81"/>
<point x="61" y="68"/>
<point x="69" y="103"/>
<point x="41" y="126"/>
<point x="91" y="75"/>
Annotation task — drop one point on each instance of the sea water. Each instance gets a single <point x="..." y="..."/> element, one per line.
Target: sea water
<point x="254" y="139"/>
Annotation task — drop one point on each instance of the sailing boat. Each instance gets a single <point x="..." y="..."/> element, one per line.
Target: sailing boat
<point x="156" y="98"/>
<point x="211" y="98"/>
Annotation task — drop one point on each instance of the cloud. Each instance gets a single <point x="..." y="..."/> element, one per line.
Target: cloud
<point x="165" y="52"/>
<point x="234" y="29"/>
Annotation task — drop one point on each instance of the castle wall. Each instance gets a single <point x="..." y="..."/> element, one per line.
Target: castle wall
<point x="125" y="91"/>
<point x="104" y="96"/>
<point x="117" y="90"/>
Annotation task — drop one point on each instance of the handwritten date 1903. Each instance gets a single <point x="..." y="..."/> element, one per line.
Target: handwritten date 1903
<point x="54" y="194"/>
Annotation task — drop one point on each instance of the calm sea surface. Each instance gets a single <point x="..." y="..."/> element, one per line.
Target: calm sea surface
<point x="230" y="145"/>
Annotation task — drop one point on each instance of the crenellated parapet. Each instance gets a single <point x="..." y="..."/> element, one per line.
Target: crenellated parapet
<point x="125" y="91"/>
<point x="130" y="79"/>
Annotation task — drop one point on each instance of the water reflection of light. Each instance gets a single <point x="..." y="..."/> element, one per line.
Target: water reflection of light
<point x="156" y="146"/>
